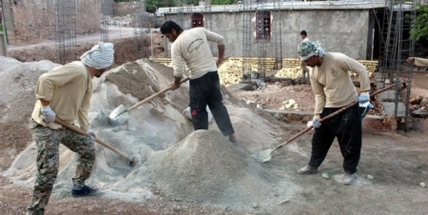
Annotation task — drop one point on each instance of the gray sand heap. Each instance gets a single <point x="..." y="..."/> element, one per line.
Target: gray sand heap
<point x="172" y="159"/>
<point x="206" y="168"/>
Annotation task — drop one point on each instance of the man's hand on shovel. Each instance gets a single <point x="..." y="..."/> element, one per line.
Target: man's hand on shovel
<point x="176" y="83"/>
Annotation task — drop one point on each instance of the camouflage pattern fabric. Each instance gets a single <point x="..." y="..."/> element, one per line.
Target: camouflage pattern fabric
<point x="48" y="141"/>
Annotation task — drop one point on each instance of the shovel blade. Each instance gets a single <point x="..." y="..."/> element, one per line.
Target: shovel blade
<point x="264" y="155"/>
<point x="118" y="116"/>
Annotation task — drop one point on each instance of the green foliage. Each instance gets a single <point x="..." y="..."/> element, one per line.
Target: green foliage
<point x="420" y="28"/>
<point x="152" y="5"/>
<point x="124" y="0"/>
<point x="223" y="2"/>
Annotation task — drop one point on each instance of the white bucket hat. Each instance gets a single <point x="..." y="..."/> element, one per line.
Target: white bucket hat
<point x="100" y="56"/>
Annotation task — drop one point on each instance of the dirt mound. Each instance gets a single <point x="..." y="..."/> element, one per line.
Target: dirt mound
<point x="7" y="62"/>
<point x="17" y="100"/>
<point x="206" y="168"/>
<point x="202" y="166"/>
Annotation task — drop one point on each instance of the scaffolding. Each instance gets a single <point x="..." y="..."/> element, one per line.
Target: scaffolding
<point x="66" y="31"/>
<point x="277" y="34"/>
<point x="263" y="36"/>
<point x="398" y="20"/>
<point x="140" y="27"/>
<point x="247" y="40"/>
<point x="106" y="9"/>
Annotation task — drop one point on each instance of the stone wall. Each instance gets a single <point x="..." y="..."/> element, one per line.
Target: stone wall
<point x="35" y="20"/>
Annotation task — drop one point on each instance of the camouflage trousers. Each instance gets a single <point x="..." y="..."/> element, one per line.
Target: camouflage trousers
<point x="48" y="141"/>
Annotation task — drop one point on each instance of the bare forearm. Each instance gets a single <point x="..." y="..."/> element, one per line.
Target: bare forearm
<point x="44" y="102"/>
<point x="221" y="49"/>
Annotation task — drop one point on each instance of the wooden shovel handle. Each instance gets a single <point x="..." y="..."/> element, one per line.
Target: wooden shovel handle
<point x="80" y="131"/>
<point x="341" y="110"/>
<point x="154" y="96"/>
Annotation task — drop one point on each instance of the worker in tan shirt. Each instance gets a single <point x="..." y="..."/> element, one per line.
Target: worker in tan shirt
<point x="65" y="92"/>
<point x="305" y="70"/>
<point x="418" y="61"/>
<point x="191" y="47"/>
<point x="333" y="89"/>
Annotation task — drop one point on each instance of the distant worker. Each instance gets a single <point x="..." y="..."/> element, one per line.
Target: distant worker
<point x="305" y="70"/>
<point x="304" y="36"/>
<point x="65" y="92"/>
<point x="333" y="89"/>
<point x="191" y="46"/>
<point x="418" y="61"/>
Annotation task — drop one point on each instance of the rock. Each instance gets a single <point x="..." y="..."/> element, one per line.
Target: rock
<point x="255" y="205"/>
<point x="370" y="177"/>
<point x="422" y="184"/>
<point x="424" y="102"/>
<point x="420" y="113"/>
<point x="325" y="175"/>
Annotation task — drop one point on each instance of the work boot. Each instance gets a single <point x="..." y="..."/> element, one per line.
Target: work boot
<point x="307" y="170"/>
<point x="348" y="178"/>
<point x="84" y="191"/>
<point x="232" y="138"/>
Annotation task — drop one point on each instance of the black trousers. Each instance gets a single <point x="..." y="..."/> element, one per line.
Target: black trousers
<point x="206" y="91"/>
<point x="347" y="127"/>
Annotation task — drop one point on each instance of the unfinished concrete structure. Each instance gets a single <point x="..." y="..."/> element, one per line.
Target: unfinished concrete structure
<point x="343" y="26"/>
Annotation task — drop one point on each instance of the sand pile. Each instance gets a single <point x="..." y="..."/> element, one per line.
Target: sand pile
<point x="17" y="82"/>
<point x="206" y="168"/>
<point x="192" y="166"/>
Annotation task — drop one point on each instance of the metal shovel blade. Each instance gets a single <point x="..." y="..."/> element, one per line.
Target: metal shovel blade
<point x="117" y="116"/>
<point x="264" y="155"/>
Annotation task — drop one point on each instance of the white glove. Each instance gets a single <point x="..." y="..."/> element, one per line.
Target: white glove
<point x="364" y="97"/>
<point x="315" y="123"/>
<point x="48" y="115"/>
<point x="92" y="134"/>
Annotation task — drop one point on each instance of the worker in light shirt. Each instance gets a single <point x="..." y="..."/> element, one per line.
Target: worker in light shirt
<point x="418" y="61"/>
<point x="191" y="47"/>
<point x="333" y="89"/>
<point x="65" y="93"/>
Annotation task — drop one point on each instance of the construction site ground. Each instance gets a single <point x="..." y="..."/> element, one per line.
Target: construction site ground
<point x="392" y="173"/>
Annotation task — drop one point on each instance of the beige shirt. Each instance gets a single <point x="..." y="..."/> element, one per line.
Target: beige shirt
<point x="192" y="47"/>
<point x="332" y="84"/>
<point x="421" y="61"/>
<point x="306" y="40"/>
<point x="68" y="88"/>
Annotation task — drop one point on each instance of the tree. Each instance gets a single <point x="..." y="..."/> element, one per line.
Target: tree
<point x="419" y="30"/>
<point x="152" y="5"/>
<point x="223" y="2"/>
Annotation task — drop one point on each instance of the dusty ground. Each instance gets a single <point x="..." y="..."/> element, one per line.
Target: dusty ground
<point x="397" y="161"/>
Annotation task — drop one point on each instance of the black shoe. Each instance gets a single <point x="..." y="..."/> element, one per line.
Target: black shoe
<point x="84" y="191"/>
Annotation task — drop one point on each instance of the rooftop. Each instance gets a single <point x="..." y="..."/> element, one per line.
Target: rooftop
<point x="284" y="5"/>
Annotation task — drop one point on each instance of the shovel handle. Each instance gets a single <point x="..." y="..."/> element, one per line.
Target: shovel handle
<point x="154" y="95"/>
<point x="331" y="116"/>
<point x="80" y="131"/>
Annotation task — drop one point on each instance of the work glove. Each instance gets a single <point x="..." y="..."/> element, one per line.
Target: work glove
<point x="365" y="107"/>
<point x="92" y="134"/>
<point x="48" y="115"/>
<point x="315" y="123"/>
<point x="364" y="97"/>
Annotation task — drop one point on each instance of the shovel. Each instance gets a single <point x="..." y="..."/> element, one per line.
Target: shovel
<point x="80" y="131"/>
<point x="266" y="155"/>
<point x="115" y="116"/>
